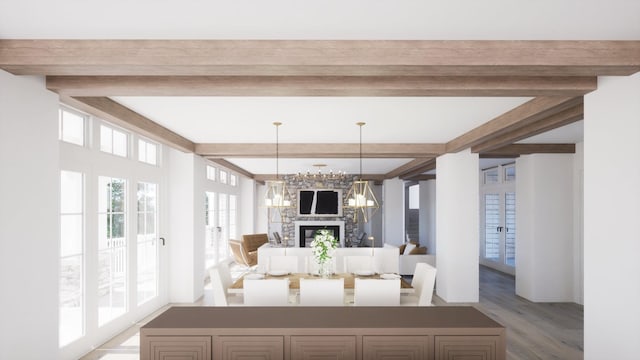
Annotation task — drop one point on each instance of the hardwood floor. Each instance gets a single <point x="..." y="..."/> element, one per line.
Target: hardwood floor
<point x="534" y="330"/>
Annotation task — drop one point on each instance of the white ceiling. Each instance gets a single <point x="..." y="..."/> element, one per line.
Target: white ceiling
<point x="324" y="119"/>
<point x="320" y="119"/>
<point x="326" y="19"/>
<point x="329" y="120"/>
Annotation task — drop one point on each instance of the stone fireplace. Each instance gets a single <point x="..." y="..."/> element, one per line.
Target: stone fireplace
<point x="305" y="230"/>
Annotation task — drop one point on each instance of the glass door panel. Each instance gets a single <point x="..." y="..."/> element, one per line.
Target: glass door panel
<point x="492" y="227"/>
<point x="510" y="228"/>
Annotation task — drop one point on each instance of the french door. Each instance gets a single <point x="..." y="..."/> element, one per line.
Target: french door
<point x="498" y="233"/>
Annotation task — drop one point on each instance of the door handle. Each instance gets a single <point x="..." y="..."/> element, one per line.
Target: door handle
<point x="162" y="241"/>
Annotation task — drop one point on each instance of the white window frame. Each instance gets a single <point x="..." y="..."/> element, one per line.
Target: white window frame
<point x="223" y="176"/>
<point x="85" y="125"/>
<point x="211" y="172"/>
<point x="143" y="156"/>
<point x="113" y="129"/>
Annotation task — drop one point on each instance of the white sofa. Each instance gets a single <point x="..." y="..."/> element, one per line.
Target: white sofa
<point x="408" y="262"/>
<point x="385" y="260"/>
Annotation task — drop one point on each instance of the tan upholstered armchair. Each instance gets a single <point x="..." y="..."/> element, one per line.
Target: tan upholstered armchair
<point x="245" y="252"/>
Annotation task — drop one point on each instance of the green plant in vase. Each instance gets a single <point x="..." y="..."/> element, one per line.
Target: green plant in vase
<point x="324" y="245"/>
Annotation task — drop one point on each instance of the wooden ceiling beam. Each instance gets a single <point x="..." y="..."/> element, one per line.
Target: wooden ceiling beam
<point x="320" y="86"/>
<point x="515" y="150"/>
<point x="523" y="115"/>
<point x="428" y="166"/>
<point x="111" y="111"/>
<point x="565" y="117"/>
<point x="324" y="150"/>
<point x="408" y="167"/>
<point x="320" y="57"/>
<point x="421" y="177"/>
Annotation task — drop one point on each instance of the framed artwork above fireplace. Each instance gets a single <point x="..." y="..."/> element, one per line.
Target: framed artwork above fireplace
<point x="320" y="202"/>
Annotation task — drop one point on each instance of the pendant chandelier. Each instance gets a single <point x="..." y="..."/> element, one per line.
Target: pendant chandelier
<point x="277" y="196"/>
<point x="360" y="197"/>
<point x="318" y="175"/>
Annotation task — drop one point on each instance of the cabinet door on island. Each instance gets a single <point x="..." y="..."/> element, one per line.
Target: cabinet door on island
<point x="176" y="347"/>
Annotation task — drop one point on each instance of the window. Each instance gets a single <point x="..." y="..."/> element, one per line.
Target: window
<point x="147" y="241"/>
<point x="491" y="176"/>
<point x="492" y="227"/>
<point x="72" y="295"/>
<point x="211" y="173"/>
<point x="113" y="141"/>
<point x="414" y="197"/>
<point x="509" y="173"/>
<point x="223" y="176"/>
<point x="112" y="249"/>
<point x="233" y="180"/>
<point x="147" y="152"/>
<point x="71" y="126"/>
<point x="510" y="228"/>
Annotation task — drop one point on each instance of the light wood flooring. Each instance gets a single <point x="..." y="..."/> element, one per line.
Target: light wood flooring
<point x="534" y="330"/>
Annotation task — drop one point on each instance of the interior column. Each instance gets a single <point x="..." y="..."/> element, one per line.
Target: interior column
<point x="611" y="216"/>
<point x="457" y="224"/>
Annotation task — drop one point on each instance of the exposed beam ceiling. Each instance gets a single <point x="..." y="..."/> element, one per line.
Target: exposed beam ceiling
<point x="319" y="57"/>
<point x="341" y="150"/>
<point x="564" y="117"/>
<point x="85" y="72"/>
<point x="516" y="150"/>
<point x="110" y="110"/>
<point x="526" y="114"/>
<point x="428" y="166"/>
<point x="408" y="167"/>
<point x="321" y="85"/>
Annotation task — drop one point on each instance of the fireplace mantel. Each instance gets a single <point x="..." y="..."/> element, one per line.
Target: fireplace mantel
<point x="298" y="223"/>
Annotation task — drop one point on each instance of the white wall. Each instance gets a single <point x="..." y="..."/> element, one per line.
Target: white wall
<point x="611" y="217"/>
<point x="545" y="230"/>
<point x="578" y="224"/>
<point x="29" y="223"/>
<point x="428" y="215"/>
<point x="457" y="226"/>
<point x="393" y="217"/>
<point x="183" y="276"/>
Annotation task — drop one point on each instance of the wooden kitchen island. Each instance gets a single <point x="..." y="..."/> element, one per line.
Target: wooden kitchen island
<point x="298" y="332"/>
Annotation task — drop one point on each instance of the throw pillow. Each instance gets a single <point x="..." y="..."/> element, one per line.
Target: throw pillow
<point x="409" y="248"/>
<point x="421" y="250"/>
<point x="401" y="248"/>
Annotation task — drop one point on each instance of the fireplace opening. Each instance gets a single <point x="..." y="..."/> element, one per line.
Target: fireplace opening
<point x="307" y="233"/>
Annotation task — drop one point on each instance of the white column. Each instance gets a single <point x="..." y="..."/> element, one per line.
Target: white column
<point x="611" y="218"/>
<point x="544" y="227"/>
<point x="248" y="206"/>
<point x="29" y="218"/>
<point x="393" y="202"/>
<point x="428" y="215"/>
<point x="187" y="232"/>
<point x="457" y="224"/>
